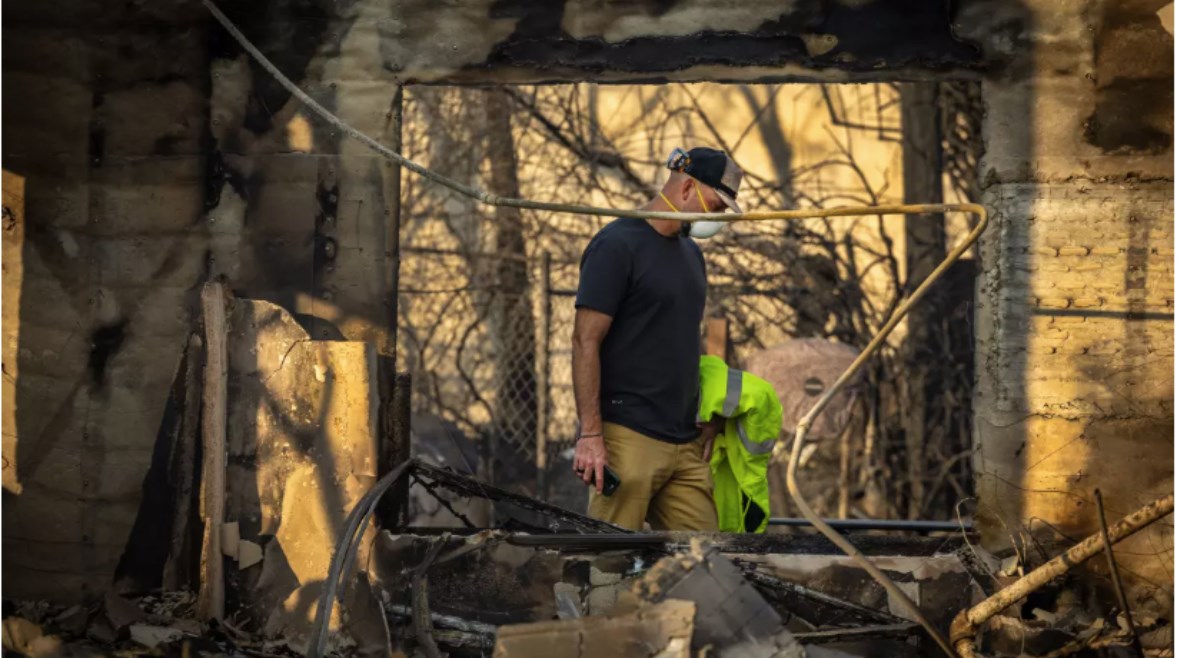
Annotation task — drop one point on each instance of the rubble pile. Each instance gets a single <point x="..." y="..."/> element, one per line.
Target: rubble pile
<point x="297" y="567"/>
<point x="160" y="624"/>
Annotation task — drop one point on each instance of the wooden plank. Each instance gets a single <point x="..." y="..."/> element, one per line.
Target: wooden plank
<point x="211" y="602"/>
<point x="717" y="341"/>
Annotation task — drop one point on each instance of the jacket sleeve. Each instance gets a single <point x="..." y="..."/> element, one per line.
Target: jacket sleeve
<point x="759" y="415"/>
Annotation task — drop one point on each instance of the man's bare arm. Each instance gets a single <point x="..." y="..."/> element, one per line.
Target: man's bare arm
<point x="587" y="334"/>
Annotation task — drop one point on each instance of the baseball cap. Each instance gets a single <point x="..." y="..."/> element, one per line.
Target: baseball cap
<point x="711" y="167"/>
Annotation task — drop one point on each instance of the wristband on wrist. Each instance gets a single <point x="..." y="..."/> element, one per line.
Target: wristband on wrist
<point x="589" y="436"/>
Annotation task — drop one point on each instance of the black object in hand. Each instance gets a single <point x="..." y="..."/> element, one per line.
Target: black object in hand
<point x="611" y="482"/>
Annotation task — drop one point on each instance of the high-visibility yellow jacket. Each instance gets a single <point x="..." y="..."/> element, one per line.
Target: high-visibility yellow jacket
<point x="740" y="456"/>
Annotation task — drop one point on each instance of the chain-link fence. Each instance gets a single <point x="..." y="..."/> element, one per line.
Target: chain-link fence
<point x="487" y="298"/>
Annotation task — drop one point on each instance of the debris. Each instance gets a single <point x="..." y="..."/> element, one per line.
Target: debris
<point x="598" y="578"/>
<point x="557" y="520"/>
<point x="814" y="606"/>
<point x="19" y="632"/>
<point x="188" y="626"/>
<point x="601" y="600"/>
<point x="567" y="601"/>
<point x="26" y="637"/>
<point x="422" y="621"/>
<point x="1010" y="567"/>
<point x="248" y="554"/>
<point x="366" y="621"/>
<point x="72" y="620"/>
<point x="168" y="606"/>
<point x="100" y="630"/>
<point x="153" y="636"/>
<point x="871" y="633"/>
<point x="121" y="613"/>
<point x="34" y="611"/>
<point x="966" y="624"/>
<point x="733" y="619"/>
<point x="446" y="621"/>
<point x="230" y="539"/>
<point x="663" y="630"/>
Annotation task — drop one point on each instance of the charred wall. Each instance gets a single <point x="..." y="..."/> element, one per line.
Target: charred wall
<point x="146" y="154"/>
<point x="1075" y="301"/>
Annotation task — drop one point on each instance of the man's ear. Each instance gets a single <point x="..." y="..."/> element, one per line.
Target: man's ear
<point x="685" y="189"/>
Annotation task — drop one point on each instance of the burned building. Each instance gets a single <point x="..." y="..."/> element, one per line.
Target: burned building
<point x="148" y="154"/>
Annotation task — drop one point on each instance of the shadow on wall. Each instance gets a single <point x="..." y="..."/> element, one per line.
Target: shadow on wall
<point x="302" y="426"/>
<point x="129" y="180"/>
<point x="1074" y="328"/>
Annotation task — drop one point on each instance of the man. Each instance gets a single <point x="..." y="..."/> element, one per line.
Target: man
<point x="635" y="358"/>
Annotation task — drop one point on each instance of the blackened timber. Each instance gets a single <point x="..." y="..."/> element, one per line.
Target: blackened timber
<point x="815" y="607"/>
<point x="889" y="631"/>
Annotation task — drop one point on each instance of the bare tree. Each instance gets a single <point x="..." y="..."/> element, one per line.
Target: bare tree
<point x="469" y="280"/>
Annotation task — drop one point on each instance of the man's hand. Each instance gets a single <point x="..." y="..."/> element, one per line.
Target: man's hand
<point x="707" y="433"/>
<point x="588" y="332"/>
<point x="590" y="460"/>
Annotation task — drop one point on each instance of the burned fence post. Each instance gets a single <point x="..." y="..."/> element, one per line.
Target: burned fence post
<point x="396" y="449"/>
<point x="543" y="377"/>
<point x="387" y="451"/>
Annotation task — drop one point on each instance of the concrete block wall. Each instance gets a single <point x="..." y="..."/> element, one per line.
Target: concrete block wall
<point x="103" y="189"/>
<point x="144" y="157"/>
<point x="1075" y="304"/>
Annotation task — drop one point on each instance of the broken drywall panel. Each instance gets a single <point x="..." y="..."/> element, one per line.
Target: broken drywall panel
<point x="733" y="619"/>
<point x="248" y="554"/>
<point x="230" y="539"/>
<point x="302" y="451"/>
<point x="662" y="629"/>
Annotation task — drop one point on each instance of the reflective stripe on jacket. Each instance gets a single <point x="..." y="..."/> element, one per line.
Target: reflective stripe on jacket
<point x="739" y="459"/>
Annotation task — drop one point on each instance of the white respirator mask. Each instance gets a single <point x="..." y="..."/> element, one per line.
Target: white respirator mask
<point x="681" y="160"/>
<point x="700" y="229"/>
<point x="705" y="229"/>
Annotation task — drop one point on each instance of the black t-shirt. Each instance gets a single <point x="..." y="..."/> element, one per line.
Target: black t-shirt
<point x="654" y="287"/>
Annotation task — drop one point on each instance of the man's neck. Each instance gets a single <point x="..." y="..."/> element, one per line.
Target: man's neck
<point x="667" y="227"/>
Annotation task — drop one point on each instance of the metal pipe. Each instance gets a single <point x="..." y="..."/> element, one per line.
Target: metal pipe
<point x="357" y="521"/>
<point x="876" y="524"/>
<point x="851" y="372"/>
<point x="965" y="626"/>
<point x="543" y="376"/>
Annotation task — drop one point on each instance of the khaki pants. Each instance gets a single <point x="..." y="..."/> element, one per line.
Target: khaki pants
<point x="666" y="484"/>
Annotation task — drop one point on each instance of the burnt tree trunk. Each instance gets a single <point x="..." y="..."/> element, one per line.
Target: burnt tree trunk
<point x="512" y="325"/>
<point x="925" y="248"/>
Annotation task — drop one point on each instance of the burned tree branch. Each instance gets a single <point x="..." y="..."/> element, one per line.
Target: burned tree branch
<point x="966" y="624"/>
